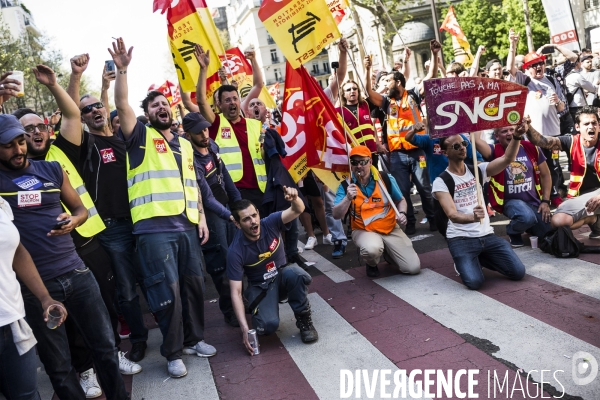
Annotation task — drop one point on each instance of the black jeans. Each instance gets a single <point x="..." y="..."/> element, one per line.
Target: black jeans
<point x="79" y="292"/>
<point x="18" y="375"/>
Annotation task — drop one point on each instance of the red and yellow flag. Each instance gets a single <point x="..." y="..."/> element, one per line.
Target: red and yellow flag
<point x="313" y="135"/>
<point x="301" y="29"/>
<point x="337" y="8"/>
<point x="190" y="23"/>
<point x="462" y="48"/>
<point x="170" y="90"/>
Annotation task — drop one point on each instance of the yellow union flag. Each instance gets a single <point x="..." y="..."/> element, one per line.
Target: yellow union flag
<point x="301" y="28"/>
<point x="190" y="23"/>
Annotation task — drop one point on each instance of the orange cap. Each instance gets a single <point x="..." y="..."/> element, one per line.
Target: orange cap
<point x="532" y="58"/>
<point x="360" y="151"/>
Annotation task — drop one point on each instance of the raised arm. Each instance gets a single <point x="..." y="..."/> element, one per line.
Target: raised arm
<point x="499" y="164"/>
<point x="122" y="58"/>
<point x="78" y="66"/>
<point x="203" y="106"/>
<point x="107" y="77"/>
<point x="513" y="39"/>
<point x="70" y="127"/>
<point x="341" y="71"/>
<point x="434" y="64"/>
<point x="375" y="97"/>
<point x="186" y="99"/>
<point x="405" y="63"/>
<point x="475" y="65"/>
<point x="482" y="147"/>
<point x="571" y="56"/>
<point x="258" y="81"/>
<point x="296" y="208"/>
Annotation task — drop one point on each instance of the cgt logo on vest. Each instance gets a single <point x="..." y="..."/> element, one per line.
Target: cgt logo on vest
<point x="160" y="145"/>
<point x="225" y="133"/>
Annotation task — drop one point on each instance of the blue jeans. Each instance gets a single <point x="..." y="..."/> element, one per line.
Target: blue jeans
<point x="291" y="281"/>
<point x="336" y="228"/>
<point x="290" y="241"/>
<point x="490" y="251"/>
<point x="215" y="257"/>
<point x="79" y="292"/>
<point x="524" y="217"/>
<point x="171" y="264"/>
<point x="402" y="166"/>
<point x="119" y="242"/>
<point x="18" y="374"/>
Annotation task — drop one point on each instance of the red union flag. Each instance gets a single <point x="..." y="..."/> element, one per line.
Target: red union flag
<point x="313" y="135"/>
<point x="459" y="105"/>
<point x="170" y="90"/>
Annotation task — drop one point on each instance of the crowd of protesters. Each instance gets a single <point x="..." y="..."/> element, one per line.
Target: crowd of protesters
<point x="97" y="205"/>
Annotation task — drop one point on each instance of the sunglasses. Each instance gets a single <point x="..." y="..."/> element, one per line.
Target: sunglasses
<point x="536" y="64"/>
<point x="359" y="162"/>
<point x="39" y="127"/>
<point x="352" y="89"/>
<point x="90" y="108"/>
<point x="174" y="124"/>
<point x="457" y="146"/>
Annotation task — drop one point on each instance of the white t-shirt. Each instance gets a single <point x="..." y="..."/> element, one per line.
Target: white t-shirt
<point x="11" y="301"/>
<point x="544" y="116"/>
<point x="465" y="200"/>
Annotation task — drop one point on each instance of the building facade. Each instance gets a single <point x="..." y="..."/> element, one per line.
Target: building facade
<point x="17" y="18"/>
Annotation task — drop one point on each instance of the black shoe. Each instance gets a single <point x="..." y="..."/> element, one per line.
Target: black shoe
<point x="372" y="272"/>
<point x="410" y="229"/>
<point x="308" y="333"/>
<point x="296" y="259"/>
<point x="516" y="241"/>
<point x="338" y="249"/>
<point x="138" y="351"/>
<point x="231" y="320"/>
<point x="432" y="225"/>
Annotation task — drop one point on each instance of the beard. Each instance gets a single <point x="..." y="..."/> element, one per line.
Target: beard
<point x="159" y="125"/>
<point x="12" y="167"/>
<point x="39" y="152"/>
<point x="198" y="141"/>
<point x="394" y="93"/>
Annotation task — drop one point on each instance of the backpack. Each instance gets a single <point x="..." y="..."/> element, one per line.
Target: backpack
<point x="561" y="243"/>
<point x="440" y="217"/>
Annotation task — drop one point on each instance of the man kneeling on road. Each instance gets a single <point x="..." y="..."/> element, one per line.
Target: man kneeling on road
<point x="374" y="221"/>
<point x="257" y="250"/>
<point x="473" y="243"/>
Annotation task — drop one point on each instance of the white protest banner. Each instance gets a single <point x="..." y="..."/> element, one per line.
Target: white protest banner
<point x="560" y="22"/>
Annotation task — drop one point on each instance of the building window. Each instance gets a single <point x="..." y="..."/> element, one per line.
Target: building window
<point x="592" y="3"/>
<point x="270" y="39"/>
<point x="326" y="68"/>
<point x="315" y="69"/>
<point x="278" y="76"/>
<point x="274" y="56"/>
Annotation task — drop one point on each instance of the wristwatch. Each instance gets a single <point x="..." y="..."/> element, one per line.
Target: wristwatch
<point x="546" y="201"/>
<point x="402" y="212"/>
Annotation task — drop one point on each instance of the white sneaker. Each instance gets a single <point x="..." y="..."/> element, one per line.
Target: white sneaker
<point x="201" y="349"/>
<point x="128" y="367"/>
<point x="176" y="369"/>
<point x="89" y="384"/>
<point x="310" y="243"/>
<point x="327" y="239"/>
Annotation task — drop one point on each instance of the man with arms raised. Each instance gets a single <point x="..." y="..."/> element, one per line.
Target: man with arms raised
<point x="257" y="251"/>
<point x="471" y="242"/>
<point x="165" y="208"/>
<point x="583" y="204"/>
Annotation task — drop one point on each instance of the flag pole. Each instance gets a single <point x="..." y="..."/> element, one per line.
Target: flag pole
<point x="391" y="21"/>
<point x="335" y="65"/>
<point x="476" y="170"/>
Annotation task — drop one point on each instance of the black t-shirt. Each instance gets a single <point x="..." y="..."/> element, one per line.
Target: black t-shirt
<point x="354" y="107"/>
<point x="590" y="180"/>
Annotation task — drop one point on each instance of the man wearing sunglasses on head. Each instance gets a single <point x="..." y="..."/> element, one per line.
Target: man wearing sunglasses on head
<point x="546" y="101"/>
<point x="471" y="239"/>
<point x="374" y="222"/>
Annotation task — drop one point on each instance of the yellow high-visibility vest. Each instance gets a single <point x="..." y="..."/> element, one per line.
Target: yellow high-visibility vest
<point x="94" y="224"/>
<point x="156" y="187"/>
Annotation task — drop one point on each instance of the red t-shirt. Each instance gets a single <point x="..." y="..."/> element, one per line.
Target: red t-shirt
<point x="248" y="180"/>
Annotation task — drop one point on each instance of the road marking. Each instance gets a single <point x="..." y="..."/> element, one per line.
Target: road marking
<point x="522" y="340"/>
<point x="152" y="382"/>
<point x="575" y="274"/>
<point x="329" y="269"/>
<point x="339" y="347"/>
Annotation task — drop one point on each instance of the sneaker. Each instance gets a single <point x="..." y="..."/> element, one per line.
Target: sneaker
<point x="138" y="351"/>
<point x="201" y="349"/>
<point x="410" y="229"/>
<point x="232" y="320"/>
<point x="491" y="212"/>
<point x="308" y="333"/>
<point x="176" y="369"/>
<point x="516" y="241"/>
<point x="296" y="259"/>
<point x="124" y="331"/>
<point x="372" y="272"/>
<point x="338" y="250"/>
<point x="595" y="227"/>
<point x="310" y="243"/>
<point x="89" y="384"/>
<point x="455" y="270"/>
<point x="327" y="239"/>
<point x="128" y="367"/>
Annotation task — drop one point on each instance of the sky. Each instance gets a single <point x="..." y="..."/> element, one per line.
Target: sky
<point x="77" y="27"/>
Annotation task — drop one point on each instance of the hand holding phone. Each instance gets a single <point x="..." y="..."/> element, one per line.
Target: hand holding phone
<point x="548" y="50"/>
<point x="60" y="224"/>
<point x="109" y="65"/>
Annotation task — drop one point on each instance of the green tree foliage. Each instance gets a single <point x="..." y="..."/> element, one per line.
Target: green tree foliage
<point x="487" y="24"/>
<point x="22" y="55"/>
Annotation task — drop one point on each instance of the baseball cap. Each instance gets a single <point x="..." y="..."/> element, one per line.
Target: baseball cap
<point x="490" y="63"/>
<point x="360" y="151"/>
<point x="586" y="57"/>
<point x="195" y="123"/>
<point x="532" y="58"/>
<point x="10" y="128"/>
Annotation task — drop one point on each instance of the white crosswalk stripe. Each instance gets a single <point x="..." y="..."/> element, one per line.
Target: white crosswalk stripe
<point x="329" y="269"/>
<point x="470" y="312"/>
